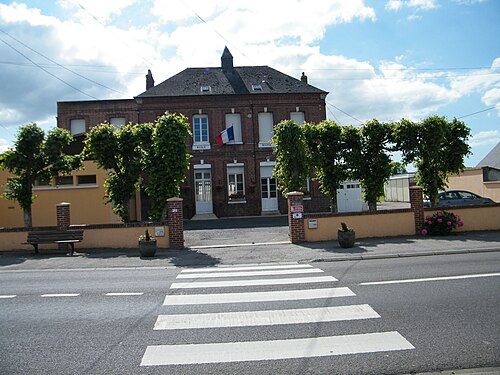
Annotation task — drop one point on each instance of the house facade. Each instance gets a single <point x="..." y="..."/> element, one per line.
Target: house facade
<point x="230" y="179"/>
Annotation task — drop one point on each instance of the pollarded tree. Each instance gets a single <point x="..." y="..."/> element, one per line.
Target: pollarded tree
<point x="368" y="159"/>
<point x="326" y="148"/>
<point x="36" y="156"/>
<point x="166" y="160"/>
<point x="436" y="147"/>
<point x="292" y="169"/>
<point x="118" y="151"/>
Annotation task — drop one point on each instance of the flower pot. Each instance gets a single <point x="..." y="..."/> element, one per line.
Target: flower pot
<point x="346" y="239"/>
<point x="147" y="248"/>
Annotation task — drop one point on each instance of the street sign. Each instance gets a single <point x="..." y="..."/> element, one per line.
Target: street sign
<point x="297" y="208"/>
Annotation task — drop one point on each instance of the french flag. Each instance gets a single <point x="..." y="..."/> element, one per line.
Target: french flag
<point x="225" y="136"/>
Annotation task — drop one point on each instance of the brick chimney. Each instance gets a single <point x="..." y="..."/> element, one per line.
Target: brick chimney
<point x="227" y="60"/>
<point x="150" y="82"/>
<point x="303" y="78"/>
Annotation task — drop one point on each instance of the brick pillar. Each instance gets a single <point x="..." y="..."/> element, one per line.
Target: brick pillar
<point x="175" y="223"/>
<point x="417" y="206"/>
<point x="296" y="231"/>
<point x="63" y="220"/>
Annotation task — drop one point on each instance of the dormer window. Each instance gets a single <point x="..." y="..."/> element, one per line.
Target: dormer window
<point x="257" y="87"/>
<point x="205" y="89"/>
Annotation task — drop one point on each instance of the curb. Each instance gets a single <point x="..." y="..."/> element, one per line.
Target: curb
<point x="401" y="255"/>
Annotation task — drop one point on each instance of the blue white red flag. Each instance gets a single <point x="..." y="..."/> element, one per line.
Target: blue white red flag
<point x="225" y="136"/>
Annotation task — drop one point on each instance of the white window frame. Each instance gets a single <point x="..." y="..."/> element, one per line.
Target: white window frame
<point x="266" y="129"/>
<point x="77" y="126"/>
<point x="233" y="171"/>
<point x="203" y="142"/>
<point x="234" y="120"/>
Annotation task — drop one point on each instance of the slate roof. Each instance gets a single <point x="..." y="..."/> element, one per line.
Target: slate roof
<point x="234" y="81"/>
<point x="492" y="159"/>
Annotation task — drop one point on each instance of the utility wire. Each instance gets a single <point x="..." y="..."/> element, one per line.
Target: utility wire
<point x="215" y="31"/>
<point x="105" y="27"/>
<point x="46" y="71"/>
<point x="62" y="66"/>
<point x="475" y="113"/>
<point x="345" y="113"/>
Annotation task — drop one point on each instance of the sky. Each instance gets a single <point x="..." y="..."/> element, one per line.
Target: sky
<point x="382" y="59"/>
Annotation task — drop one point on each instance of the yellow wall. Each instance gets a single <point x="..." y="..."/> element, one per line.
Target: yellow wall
<point x="365" y="225"/>
<point x="95" y="238"/>
<point x="477" y="218"/>
<point x="472" y="180"/>
<point x="87" y="202"/>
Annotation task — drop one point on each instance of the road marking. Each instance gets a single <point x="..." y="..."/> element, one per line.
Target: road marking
<point x="233" y="283"/>
<point x="157" y="355"/>
<point x="125" y="294"/>
<point x="245" y="268"/>
<point x="278" y="295"/>
<point x="441" y="278"/>
<point x="264" y="317"/>
<point x="250" y="273"/>
<point x="5" y="296"/>
<point x="60" y="295"/>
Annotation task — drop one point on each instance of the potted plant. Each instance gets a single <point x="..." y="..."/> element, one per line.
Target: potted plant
<point x="147" y="245"/>
<point x="346" y="236"/>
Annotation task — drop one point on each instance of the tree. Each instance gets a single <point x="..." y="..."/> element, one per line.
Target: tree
<point x="367" y="157"/>
<point x="117" y="150"/>
<point x="292" y="169"/>
<point x="166" y="160"/>
<point x="326" y="148"/>
<point x="36" y="156"/>
<point x="436" y="147"/>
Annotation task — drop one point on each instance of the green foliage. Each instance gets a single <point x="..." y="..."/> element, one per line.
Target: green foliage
<point x="436" y="147"/>
<point x="36" y="156"/>
<point x="367" y="157"/>
<point x="441" y="223"/>
<point x="117" y="150"/>
<point x="292" y="168"/>
<point x="166" y="160"/>
<point x="326" y="147"/>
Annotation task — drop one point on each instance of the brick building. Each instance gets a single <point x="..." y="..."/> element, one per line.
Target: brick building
<point x="233" y="179"/>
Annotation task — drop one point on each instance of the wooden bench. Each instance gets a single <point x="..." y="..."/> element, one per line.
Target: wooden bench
<point x="70" y="236"/>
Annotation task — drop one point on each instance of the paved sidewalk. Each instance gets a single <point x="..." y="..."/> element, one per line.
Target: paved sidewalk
<point x="241" y="252"/>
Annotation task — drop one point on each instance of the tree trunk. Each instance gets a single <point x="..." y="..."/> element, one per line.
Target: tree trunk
<point x="126" y="210"/>
<point x="333" y="207"/>
<point x="28" y="220"/>
<point x="372" y="206"/>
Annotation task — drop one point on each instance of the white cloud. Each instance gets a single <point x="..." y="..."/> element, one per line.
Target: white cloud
<point x="413" y="4"/>
<point x="492" y="98"/>
<point x="490" y="137"/>
<point x="4" y="145"/>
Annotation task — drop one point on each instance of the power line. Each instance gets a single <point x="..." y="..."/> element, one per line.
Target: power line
<point x="46" y="71"/>
<point x="345" y="113"/>
<point x="214" y="30"/>
<point x="105" y="27"/>
<point x="87" y="68"/>
<point x="62" y="66"/>
<point x="475" y="113"/>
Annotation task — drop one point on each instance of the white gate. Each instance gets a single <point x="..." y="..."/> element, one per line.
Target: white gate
<point x="350" y="197"/>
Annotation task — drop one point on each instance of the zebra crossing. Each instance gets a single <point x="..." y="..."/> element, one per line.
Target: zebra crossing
<point x="286" y="284"/>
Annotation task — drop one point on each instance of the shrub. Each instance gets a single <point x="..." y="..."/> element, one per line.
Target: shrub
<point x="441" y="223"/>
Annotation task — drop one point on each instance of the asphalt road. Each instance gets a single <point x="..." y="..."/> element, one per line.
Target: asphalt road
<point x="66" y="322"/>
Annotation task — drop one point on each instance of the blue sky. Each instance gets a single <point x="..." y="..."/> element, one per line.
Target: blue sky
<point x="383" y="59"/>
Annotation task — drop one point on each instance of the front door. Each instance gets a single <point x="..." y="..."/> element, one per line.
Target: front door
<point x="203" y="191"/>
<point x="269" y="194"/>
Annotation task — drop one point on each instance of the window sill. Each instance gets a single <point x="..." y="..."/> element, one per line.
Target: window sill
<point x="237" y="201"/>
<point x="201" y="146"/>
<point x="64" y="187"/>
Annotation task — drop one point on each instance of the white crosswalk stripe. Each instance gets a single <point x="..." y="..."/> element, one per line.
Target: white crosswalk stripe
<point x="245" y="297"/>
<point x="286" y="277"/>
<point x="156" y="355"/>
